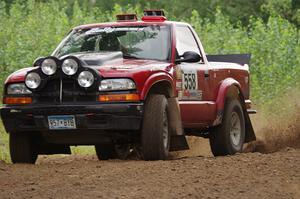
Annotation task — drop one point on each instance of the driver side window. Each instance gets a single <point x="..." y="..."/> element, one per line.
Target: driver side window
<point x="185" y="41"/>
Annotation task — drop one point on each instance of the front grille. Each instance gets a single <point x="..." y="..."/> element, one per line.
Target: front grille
<point x="49" y="93"/>
<point x="71" y="92"/>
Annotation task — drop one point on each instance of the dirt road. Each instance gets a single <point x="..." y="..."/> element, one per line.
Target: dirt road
<point x="274" y="173"/>
<point x="250" y="175"/>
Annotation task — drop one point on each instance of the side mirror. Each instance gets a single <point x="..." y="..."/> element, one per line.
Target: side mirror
<point x="189" y="57"/>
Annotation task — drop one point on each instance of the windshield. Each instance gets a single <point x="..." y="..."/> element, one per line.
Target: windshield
<point x="137" y="42"/>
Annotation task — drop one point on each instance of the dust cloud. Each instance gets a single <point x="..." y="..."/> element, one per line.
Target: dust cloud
<point x="277" y="126"/>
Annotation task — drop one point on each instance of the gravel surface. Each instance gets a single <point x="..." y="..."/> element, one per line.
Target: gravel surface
<point x="248" y="175"/>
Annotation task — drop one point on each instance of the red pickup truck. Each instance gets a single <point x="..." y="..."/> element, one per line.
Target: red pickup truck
<point x="128" y="85"/>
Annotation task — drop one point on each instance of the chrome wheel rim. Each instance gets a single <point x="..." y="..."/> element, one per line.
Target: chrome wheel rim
<point x="235" y="129"/>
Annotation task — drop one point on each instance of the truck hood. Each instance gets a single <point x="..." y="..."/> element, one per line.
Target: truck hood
<point x="113" y="62"/>
<point x="129" y="66"/>
<point x="109" y="64"/>
<point x="97" y="59"/>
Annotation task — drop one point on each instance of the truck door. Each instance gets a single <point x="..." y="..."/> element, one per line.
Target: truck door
<point x="192" y="80"/>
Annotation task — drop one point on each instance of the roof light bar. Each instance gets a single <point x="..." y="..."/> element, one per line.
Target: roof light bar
<point x="154" y="13"/>
<point x="126" y="17"/>
<point x="154" y="16"/>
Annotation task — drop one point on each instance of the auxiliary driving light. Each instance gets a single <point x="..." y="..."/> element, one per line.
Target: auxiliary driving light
<point x="49" y="66"/>
<point x="86" y="79"/>
<point x="70" y="66"/>
<point x="33" y="80"/>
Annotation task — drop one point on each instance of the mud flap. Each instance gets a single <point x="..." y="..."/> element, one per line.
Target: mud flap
<point x="250" y="135"/>
<point x="175" y="125"/>
<point x="178" y="143"/>
<point x="178" y="140"/>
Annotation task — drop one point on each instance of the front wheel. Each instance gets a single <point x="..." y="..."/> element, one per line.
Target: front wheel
<point x="229" y="137"/>
<point x="155" y="130"/>
<point x="22" y="149"/>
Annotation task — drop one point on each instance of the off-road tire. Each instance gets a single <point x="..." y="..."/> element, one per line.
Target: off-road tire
<point x="22" y="149"/>
<point x="228" y="138"/>
<point x="155" y="130"/>
<point x="112" y="151"/>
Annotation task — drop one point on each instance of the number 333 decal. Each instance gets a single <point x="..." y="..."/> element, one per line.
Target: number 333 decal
<point x="189" y="80"/>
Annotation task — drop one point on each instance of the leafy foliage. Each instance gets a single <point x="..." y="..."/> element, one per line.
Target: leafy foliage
<point x="34" y="28"/>
<point x="4" y="153"/>
<point x="266" y="29"/>
<point x="275" y="45"/>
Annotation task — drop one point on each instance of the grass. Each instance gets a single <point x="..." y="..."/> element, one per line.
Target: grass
<point x="4" y="148"/>
<point x="83" y="150"/>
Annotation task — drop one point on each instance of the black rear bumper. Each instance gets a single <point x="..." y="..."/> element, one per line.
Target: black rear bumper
<point x="121" y="116"/>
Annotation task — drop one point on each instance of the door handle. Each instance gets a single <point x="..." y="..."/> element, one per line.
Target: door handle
<point x="206" y="74"/>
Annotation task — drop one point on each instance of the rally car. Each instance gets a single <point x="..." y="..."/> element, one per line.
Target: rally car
<point x="128" y="85"/>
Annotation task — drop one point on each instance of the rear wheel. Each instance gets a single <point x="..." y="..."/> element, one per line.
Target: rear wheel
<point x="22" y="149"/>
<point x="229" y="137"/>
<point x="155" y="130"/>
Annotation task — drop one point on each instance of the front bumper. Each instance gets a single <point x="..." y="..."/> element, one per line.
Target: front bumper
<point x="121" y="116"/>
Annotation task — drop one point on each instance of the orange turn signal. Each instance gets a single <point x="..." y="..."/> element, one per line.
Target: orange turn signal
<point x="17" y="100"/>
<point x="119" y="97"/>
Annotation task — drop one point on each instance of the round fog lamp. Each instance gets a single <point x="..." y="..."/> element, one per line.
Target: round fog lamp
<point x="86" y="79"/>
<point x="33" y="80"/>
<point x="69" y="66"/>
<point x="49" y="66"/>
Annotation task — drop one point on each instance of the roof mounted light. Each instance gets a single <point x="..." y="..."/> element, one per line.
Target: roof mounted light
<point x="126" y="17"/>
<point x="154" y="15"/>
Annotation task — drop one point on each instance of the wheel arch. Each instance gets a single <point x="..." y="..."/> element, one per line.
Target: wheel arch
<point x="159" y="83"/>
<point x="230" y="88"/>
<point x="162" y="84"/>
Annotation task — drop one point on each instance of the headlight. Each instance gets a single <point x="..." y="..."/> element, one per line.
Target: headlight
<point x="17" y="89"/>
<point x="49" y="66"/>
<point x="116" y="84"/>
<point x="86" y="79"/>
<point x="70" y="66"/>
<point x="33" y="80"/>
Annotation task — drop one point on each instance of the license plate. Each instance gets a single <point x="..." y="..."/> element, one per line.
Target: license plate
<point x="61" y="122"/>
